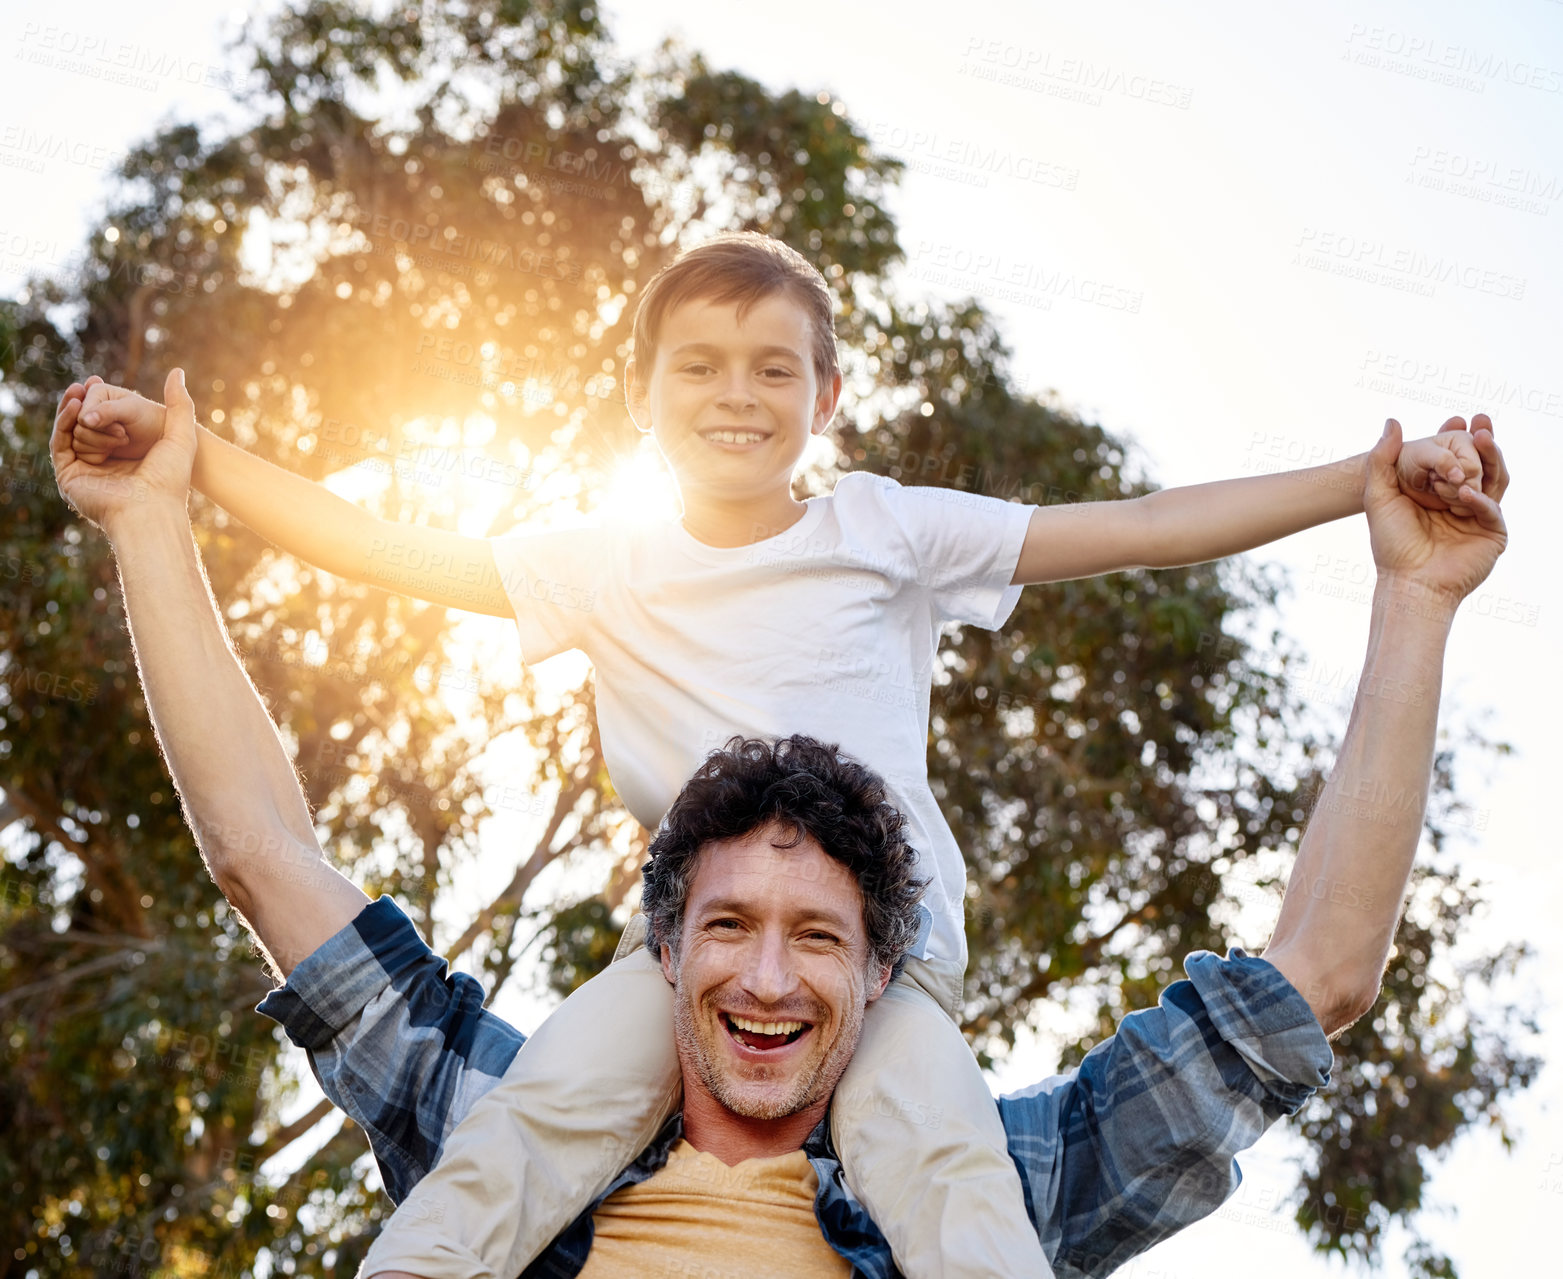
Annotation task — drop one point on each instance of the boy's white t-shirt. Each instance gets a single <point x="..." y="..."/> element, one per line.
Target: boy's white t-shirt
<point x="828" y="629"/>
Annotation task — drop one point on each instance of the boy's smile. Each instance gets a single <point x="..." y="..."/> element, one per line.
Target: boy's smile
<point x="732" y="403"/>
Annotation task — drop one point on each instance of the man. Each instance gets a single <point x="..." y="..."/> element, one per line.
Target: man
<point x="770" y="985"/>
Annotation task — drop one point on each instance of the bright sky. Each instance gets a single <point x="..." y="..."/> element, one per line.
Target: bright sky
<point x="1239" y="235"/>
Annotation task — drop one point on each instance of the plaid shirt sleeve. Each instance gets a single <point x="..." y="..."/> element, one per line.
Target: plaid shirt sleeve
<point x="1139" y="1140"/>
<point x="397" y="1041"/>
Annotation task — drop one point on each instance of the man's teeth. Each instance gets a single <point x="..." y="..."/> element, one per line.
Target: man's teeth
<point x="766" y="1027"/>
<point x="736" y="437"/>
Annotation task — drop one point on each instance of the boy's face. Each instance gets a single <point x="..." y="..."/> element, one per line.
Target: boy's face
<point x="732" y="403"/>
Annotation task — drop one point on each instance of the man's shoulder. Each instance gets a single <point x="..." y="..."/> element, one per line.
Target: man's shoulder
<point x="380" y="951"/>
<point x="399" y="1042"/>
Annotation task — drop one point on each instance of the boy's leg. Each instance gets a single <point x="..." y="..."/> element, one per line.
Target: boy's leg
<point x="585" y="1095"/>
<point x="920" y="1140"/>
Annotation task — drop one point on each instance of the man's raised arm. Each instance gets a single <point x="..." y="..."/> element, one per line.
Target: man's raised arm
<point x="238" y="787"/>
<point x="1344" y="897"/>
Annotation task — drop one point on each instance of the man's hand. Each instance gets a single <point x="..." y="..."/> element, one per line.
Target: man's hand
<point x="104" y="491"/>
<point x="1439" y="551"/>
<point x="236" y="783"/>
<point x="1354" y="864"/>
<point x="1432" y="471"/>
<point x="116" y="423"/>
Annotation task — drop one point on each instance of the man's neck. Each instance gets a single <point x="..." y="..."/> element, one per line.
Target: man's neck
<point x="712" y="1128"/>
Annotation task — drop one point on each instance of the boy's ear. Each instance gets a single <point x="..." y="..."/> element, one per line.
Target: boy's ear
<point x="636" y="399"/>
<point x="825" y="406"/>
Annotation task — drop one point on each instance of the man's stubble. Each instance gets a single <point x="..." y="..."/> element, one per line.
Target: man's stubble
<point x="814" y="1082"/>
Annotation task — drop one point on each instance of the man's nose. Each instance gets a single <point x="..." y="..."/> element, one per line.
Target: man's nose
<point x="769" y="975"/>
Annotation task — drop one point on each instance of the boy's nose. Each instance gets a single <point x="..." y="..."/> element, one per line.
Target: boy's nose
<point x="736" y="394"/>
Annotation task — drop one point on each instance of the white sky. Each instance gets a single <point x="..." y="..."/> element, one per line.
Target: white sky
<point x="1224" y="157"/>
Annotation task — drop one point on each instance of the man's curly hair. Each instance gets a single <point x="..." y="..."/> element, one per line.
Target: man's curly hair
<point x="810" y="787"/>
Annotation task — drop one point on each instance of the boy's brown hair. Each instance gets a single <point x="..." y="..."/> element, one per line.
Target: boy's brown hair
<point x="742" y="267"/>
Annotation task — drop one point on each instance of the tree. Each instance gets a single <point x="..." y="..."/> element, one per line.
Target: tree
<point x="429" y="292"/>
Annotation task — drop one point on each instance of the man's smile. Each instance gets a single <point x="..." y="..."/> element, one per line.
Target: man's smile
<point x="763" y="1039"/>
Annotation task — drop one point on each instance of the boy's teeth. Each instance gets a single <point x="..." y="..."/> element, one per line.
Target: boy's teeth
<point x="735" y="437"/>
<point x="766" y="1027"/>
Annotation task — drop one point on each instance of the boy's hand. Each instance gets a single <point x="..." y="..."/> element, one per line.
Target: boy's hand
<point x="115" y="423"/>
<point x="1432" y="471"/>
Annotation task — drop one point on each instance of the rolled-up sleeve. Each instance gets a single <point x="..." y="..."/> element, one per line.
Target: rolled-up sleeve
<point x="397" y="1041"/>
<point x="1140" y="1140"/>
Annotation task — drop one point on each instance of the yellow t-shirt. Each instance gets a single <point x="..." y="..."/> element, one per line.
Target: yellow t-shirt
<point x="697" y="1218"/>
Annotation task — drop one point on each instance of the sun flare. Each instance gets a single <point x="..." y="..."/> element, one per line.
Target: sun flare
<point x="640" y="490"/>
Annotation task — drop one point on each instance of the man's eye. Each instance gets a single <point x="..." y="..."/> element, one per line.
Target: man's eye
<point x="823" y="937"/>
<point x="722" y="924"/>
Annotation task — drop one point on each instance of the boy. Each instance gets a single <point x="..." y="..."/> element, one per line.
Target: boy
<point x="728" y="622"/>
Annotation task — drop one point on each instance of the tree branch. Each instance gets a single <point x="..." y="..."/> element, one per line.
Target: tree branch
<point x="1088" y="953"/>
<point x="68" y="976"/>
<point x="105" y="870"/>
<point x="289" y="1133"/>
<point x="544" y="853"/>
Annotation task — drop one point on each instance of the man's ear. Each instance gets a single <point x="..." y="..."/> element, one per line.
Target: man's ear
<point x="636" y="399"/>
<point x="669" y="969"/>
<point x="825" y="405"/>
<point x="876" y="989"/>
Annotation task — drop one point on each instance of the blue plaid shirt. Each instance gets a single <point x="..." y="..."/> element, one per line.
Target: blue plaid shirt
<point x="1134" y="1144"/>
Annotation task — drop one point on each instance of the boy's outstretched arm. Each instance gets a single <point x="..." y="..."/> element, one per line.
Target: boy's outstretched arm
<point x="301" y="516"/>
<point x="1201" y="522"/>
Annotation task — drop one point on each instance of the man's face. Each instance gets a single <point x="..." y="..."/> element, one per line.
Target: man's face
<point x="732" y="402"/>
<point x="773" y="975"/>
